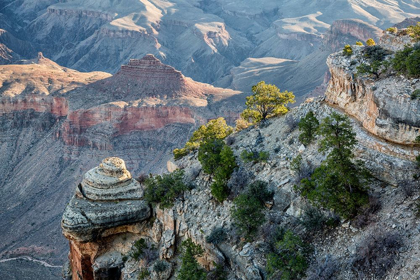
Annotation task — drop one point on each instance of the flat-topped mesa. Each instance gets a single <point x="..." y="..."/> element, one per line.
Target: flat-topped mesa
<point x="149" y="67"/>
<point x="107" y="198"/>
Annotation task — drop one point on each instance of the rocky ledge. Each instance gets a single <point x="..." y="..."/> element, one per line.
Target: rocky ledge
<point x="107" y="198"/>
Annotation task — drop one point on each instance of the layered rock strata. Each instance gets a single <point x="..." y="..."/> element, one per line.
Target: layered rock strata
<point x="107" y="202"/>
<point x="383" y="105"/>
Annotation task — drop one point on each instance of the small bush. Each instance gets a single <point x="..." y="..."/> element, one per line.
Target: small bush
<point x="160" y="266"/>
<point x="144" y="274"/>
<point x="254" y="156"/>
<point x="241" y="124"/>
<point x="370" y="42"/>
<point x="291" y="123"/>
<point x="313" y="219"/>
<point x="164" y="189"/>
<point x="308" y="127"/>
<point x="190" y="269"/>
<point x="366" y="212"/>
<point x="289" y="259"/>
<point x="142" y="178"/>
<point x="407" y="62"/>
<point x="218" y="273"/>
<point x="180" y="153"/>
<point x="238" y="182"/>
<point x="217" y="235"/>
<point x="358" y="43"/>
<point x="415" y="94"/>
<point x="247" y="211"/>
<point x="392" y="30"/>
<point x="408" y="187"/>
<point x="347" y="50"/>
<point x="324" y="269"/>
<point x="376" y="254"/>
<point x="139" y="247"/>
<point x="414" y="32"/>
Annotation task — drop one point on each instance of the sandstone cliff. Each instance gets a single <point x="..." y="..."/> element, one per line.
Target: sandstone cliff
<point x="379" y="115"/>
<point x="57" y="123"/>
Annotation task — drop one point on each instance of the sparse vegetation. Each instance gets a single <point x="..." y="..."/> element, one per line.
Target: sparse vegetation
<point x="138" y="249"/>
<point x="159" y="267"/>
<point x="347" y="50"/>
<point x="214" y="129"/>
<point x="415" y="94"/>
<point x="217" y="159"/>
<point x="290" y="258"/>
<point x="376" y="61"/>
<point x="164" y="189"/>
<point x="358" y="43"/>
<point x="392" y="30"/>
<point x="144" y="274"/>
<point x="414" y="32"/>
<point x="190" y="269"/>
<point x="267" y="101"/>
<point x="308" y="127"/>
<point x="217" y="235"/>
<point x="407" y="61"/>
<point x="254" y="156"/>
<point x="247" y="212"/>
<point x="376" y="254"/>
<point x="218" y="273"/>
<point x="339" y="183"/>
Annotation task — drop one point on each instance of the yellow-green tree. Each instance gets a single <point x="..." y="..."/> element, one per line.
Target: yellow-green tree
<point x="214" y="129"/>
<point x="414" y="32"/>
<point x="370" y="42"/>
<point x="266" y="102"/>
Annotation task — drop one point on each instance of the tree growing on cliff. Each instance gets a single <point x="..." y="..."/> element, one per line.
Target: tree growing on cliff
<point x="214" y="129"/>
<point x="164" y="189"/>
<point x="414" y="32"/>
<point x="347" y="50"/>
<point x="370" y="42"/>
<point x="267" y="101"/>
<point x="340" y="183"/>
<point x="308" y="127"/>
<point x="217" y="159"/>
<point x="190" y="269"/>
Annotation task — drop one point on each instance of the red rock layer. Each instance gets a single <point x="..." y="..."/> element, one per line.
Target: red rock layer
<point x="122" y="119"/>
<point x="57" y="106"/>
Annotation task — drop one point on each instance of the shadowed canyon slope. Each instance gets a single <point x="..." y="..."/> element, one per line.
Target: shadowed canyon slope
<point x="210" y="41"/>
<point x="57" y="123"/>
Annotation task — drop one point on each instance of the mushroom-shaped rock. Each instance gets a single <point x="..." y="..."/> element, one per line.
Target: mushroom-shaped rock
<point x="108" y="197"/>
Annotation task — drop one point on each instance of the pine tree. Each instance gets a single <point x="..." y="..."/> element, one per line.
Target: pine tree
<point x="190" y="269"/>
<point x="308" y="127"/>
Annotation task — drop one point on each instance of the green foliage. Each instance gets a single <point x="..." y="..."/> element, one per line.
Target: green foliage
<point x="217" y="235"/>
<point x="347" y="50"/>
<point x="267" y="101"/>
<point x="290" y="258"/>
<point x="138" y="248"/>
<point x="190" y="269"/>
<point x="217" y="159"/>
<point x="296" y="164"/>
<point x="179" y="153"/>
<point x="214" y="129"/>
<point x="254" y="156"/>
<point x="144" y="274"/>
<point x="308" y="127"/>
<point x="218" y="273"/>
<point x="247" y="211"/>
<point x="160" y="266"/>
<point x="407" y="61"/>
<point x="377" y="65"/>
<point x="392" y="30"/>
<point x="339" y="183"/>
<point x="415" y="94"/>
<point x="314" y="220"/>
<point x="417" y="140"/>
<point x="164" y="189"/>
<point x="358" y="43"/>
<point x="370" y="42"/>
<point x="414" y="32"/>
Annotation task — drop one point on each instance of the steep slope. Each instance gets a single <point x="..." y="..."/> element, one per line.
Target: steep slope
<point x="56" y="123"/>
<point x="379" y="243"/>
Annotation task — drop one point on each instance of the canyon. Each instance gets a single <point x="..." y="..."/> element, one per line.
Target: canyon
<point x="59" y="122"/>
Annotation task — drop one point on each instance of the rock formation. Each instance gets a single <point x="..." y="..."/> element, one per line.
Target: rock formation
<point x="107" y="202"/>
<point x="383" y="105"/>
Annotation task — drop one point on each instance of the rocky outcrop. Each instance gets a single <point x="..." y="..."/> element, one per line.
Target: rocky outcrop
<point x="383" y="106"/>
<point x="107" y="202"/>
